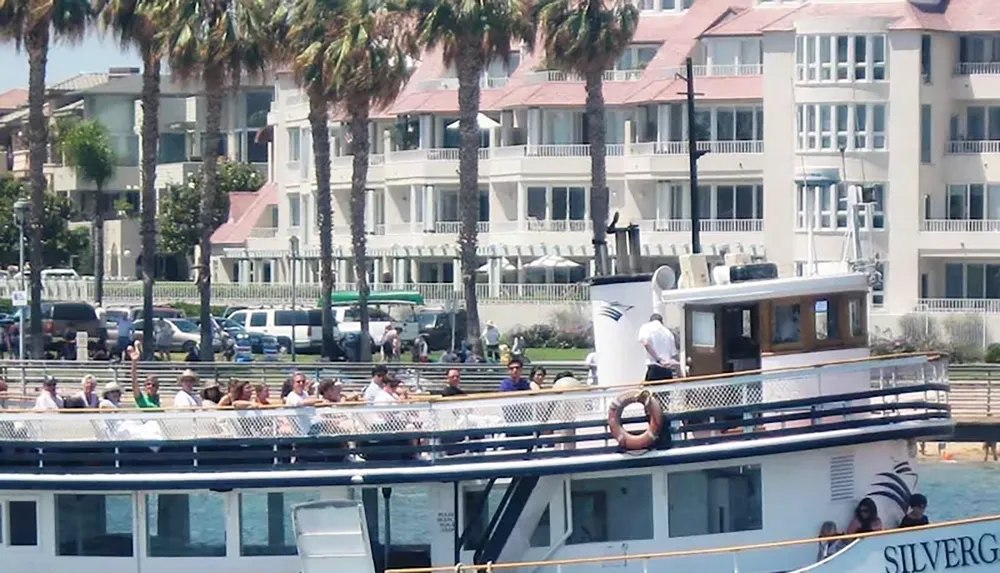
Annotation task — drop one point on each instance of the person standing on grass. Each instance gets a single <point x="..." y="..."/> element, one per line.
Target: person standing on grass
<point x="491" y="340"/>
<point x="151" y="397"/>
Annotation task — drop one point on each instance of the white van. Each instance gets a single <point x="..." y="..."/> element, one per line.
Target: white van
<point x="348" y="321"/>
<point x="278" y="323"/>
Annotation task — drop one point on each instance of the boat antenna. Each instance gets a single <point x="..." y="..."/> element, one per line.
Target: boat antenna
<point x="693" y="153"/>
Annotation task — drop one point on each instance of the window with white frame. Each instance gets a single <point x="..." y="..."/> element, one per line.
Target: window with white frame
<point x="294" y="144"/>
<point x="557" y="203"/>
<point x="828" y="206"/>
<point x="715" y="202"/>
<point x="294" y="210"/>
<point x="664" y="5"/>
<point x="636" y="57"/>
<point x="975" y="201"/>
<point x="979" y="49"/>
<point x="971" y="280"/>
<point x="858" y="127"/>
<point x="723" y="123"/>
<point x="731" y="56"/>
<point x="982" y="123"/>
<point x="840" y="58"/>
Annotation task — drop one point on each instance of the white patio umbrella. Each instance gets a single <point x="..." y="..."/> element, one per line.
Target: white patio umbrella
<point x="483" y="120"/>
<point x="551" y="262"/>
<point x="507" y="267"/>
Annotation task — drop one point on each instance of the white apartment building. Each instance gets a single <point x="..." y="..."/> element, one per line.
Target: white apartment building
<point x="898" y="96"/>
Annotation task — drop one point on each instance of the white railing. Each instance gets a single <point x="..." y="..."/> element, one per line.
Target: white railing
<point x="558" y="226"/>
<point x="706" y="225"/>
<point x="378" y="229"/>
<point x="977" y="68"/>
<point x="433" y="154"/>
<point x="961" y="226"/>
<point x="681" y="147"/>
<point x="264" y="232"/>
<point x="490" y="83"/>
<point x="969" y="147"/>
<point x="455" y="227"/>
<point x="622" y="75"/>
<point x="571" y="150"/>
<point x="522" y="410"/>
<point x="959" y="305"/>
<point x="715" y="70"/>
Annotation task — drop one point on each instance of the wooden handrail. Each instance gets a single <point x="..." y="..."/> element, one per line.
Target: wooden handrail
<point x="690" y="552"/>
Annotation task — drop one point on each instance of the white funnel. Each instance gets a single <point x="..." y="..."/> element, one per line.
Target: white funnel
<point x="621" y="304"/>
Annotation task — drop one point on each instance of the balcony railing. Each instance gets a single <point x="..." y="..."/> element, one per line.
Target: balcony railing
<point x="971" y="147"/>
<point x="558" y="226"/>
<point x="717" y="70"/>
<point x="445" y="154"/>
<point x="547" y="76"/>
<point x="961" y="226"/>
<point x="705" y="225"/>
<point x="977" y="68"/>
<point x="681" y="147"/>
<point x="485" y="82"/>
<point x="959" y="305"/>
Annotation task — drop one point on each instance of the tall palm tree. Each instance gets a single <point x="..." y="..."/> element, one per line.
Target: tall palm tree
<point x="585" y="37"/>
<point x="87" y="147"/>
<point x="305" y="33"/>
<point x="217" y="42"/>
<point x="130" y="21"/>
<point x="370" y="67"/>
<point x="471" y="34"/>
<point x="30" y="24"/>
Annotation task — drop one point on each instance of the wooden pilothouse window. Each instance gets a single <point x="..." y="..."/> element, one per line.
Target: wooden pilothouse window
<point x="812" y="323"/>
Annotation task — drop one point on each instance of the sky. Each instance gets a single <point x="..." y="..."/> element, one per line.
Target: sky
<point x="94" y="54"/>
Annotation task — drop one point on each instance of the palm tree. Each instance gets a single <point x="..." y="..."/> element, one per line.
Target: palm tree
<point x="471" y="34"/>
<point x="306" y="35"/>
<point x="131" y="23"/>
<point x="585" y="37"/>
<point x="87" y="147"/>
<point x="30" y="25"/>
<point x="216" y="41"/>
<point x="370" y="66"/>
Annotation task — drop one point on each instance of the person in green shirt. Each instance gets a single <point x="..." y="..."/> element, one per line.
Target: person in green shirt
<point x="151" y="397"/>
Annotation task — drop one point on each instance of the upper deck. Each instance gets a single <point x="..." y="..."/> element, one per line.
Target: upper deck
<point x="549" y="431"/>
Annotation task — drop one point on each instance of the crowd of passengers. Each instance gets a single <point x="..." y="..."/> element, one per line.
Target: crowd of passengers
<point x="298" y="390"/>
<point x="867" y="520"/>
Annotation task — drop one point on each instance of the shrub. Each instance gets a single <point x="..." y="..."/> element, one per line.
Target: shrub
<point x="192" y="310"/>
<point x="993" y="353"/>
<point x="567" y="329"/>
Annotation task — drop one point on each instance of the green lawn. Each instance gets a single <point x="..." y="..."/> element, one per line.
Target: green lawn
<point x="534" y="354"/>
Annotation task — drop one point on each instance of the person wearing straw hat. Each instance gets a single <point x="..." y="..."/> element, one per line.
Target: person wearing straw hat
<point x="491" y="340"/>
<point x="186" y="397"/>
<point x="111" y="396"/>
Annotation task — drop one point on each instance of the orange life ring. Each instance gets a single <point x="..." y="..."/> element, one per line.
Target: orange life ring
<point x="654" y="414"/>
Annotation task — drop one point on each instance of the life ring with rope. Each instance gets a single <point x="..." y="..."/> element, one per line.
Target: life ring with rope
<point x="654" y="414"/>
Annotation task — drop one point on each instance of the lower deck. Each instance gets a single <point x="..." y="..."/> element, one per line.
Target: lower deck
<point x="688" y="506"/>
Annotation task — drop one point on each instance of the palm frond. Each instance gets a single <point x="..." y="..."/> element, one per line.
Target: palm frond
<point x="587" y="35"/>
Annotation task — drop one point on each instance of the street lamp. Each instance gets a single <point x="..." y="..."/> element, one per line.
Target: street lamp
<point x="293" y="251"/>
<point x="21" y="208"/>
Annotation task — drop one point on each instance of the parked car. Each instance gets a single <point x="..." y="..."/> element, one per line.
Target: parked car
<point x="278" y="323"/>
<point x="260" y="343"/>
<point x="348" y="317"/>
<point x="59" y="318"/>
<point x="187" y="335"/>
<point x="435" y="326"/>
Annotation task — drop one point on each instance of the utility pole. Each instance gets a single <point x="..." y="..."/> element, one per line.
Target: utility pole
<point x="693" y="154"/>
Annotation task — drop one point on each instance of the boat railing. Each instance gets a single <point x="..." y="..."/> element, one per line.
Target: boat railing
<point x="880" y="387"/>
<point x="850" y="542"/>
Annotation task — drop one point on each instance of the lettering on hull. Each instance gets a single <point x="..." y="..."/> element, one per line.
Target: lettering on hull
<point x="942" y="554"/>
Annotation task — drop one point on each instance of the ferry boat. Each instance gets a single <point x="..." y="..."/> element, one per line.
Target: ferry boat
<point x="783" y="421"/>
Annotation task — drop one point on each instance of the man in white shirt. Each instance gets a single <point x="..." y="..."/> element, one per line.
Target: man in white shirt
<point x="491" y="340"/>
<point x="186" y="397"/>
<point x="299" y="396"/>
<point x="48" y="399"/>
<point x="661" y="349"/>
<point x="591" y="363"/>
<point x="375" y="386"/>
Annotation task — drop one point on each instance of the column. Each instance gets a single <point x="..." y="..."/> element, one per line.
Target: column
<point x="534" y="126"/>
<point x="521" y="275"/>
<point x="414" y="271"/>
<point x="430" y="213"/>
<point x="496" y="276"/>
<point x="426" y="131"/>
<point x="413" y="208"/>
<point x="506" y="127"/>
<point x="628" y="137"/>
<point x="662" y="122"/>
<point x="522" y="207"/>
<point x="387" y="144"/>
<point x="376" y="272"/>
<point x="456" y="272"/>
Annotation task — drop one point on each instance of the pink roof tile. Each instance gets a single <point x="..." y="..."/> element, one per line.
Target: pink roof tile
<point x="245" y="209"/>
<point x="13" y="98"/>
<point x="750" y="22"/>
<point x="898" y="10"/>
<point x="960" y="16"/>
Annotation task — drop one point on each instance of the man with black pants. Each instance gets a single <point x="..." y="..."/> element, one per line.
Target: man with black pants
<point x="661" y="349"/>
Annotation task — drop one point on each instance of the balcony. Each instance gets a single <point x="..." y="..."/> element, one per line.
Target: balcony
<point x="961" y="226"/>
<point x="716" y="70"/>
<point x="973" y="147"/>
<point x="558" y="76"/>
<point x="960" y="236"/>
<point x="972" y="156"/>
<point x="669" y="158"/>
<point x="705" y="225"/>
<point x="976" y="80"/>
<point x="977" y="68"/>
<point x="959" y="305"/>
<point x="485" y="82"/>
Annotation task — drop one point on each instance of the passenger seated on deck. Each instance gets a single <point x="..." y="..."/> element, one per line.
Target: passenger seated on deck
<point x="828" y="548"/>
<point x="916" y="516"/>
<point x="865" y="518"/>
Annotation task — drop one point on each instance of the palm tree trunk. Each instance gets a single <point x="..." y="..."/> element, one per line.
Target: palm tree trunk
<point x="318" y="121"/>
<point x="358" y="112"/>
<point x="213" y="115"/>
<point x="597" y="134"/>
<point x="150" y="143"/>
<point x="470" y="68"/>
<point x="37" y="44"/>
<point x="98" y="244"/>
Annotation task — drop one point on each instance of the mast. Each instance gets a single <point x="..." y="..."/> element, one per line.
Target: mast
<point x="693" y="154"/>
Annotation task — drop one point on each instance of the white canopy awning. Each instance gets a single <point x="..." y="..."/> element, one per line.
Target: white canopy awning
<point x="484" y="121"/>
<point x="507" y="267"/>
<point x="551" y="262"/>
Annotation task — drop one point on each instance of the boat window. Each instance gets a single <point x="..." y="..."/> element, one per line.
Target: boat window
<point x="266" y="522"/>
<point x="787" y="324"/>
<point x="540" y="537"/>
<point x="854" y="317"/>
<point x="827" y="319"/>
<point x="94" y="525"/>
<point x="186" y="525"/>
<point x="703" y="328"/>
<point x="611" y="509"/>
<point x="717" y="500"/>
<point x="22" y="523"/>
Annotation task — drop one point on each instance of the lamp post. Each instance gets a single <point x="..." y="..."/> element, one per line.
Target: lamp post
<point x="293" y="251"/>
<point x="21" y="208"/>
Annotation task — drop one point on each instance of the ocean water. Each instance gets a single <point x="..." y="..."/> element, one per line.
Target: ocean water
<point x="960" y="490"/>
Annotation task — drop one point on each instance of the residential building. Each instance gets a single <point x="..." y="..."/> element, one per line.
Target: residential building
<point x="800" y="104"/>
<point x="112" y="98"/>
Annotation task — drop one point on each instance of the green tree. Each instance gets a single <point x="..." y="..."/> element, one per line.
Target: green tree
<point x="87" y="147"/>
<point x="218" y="42"/>
<point x="131" y="22"/>
<point x="471" y="34"/>
<point x="60" y="247"/>
<point x="585" y="37"/>
<point x="181" y="204"/>
<point x="30" y="24"/>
